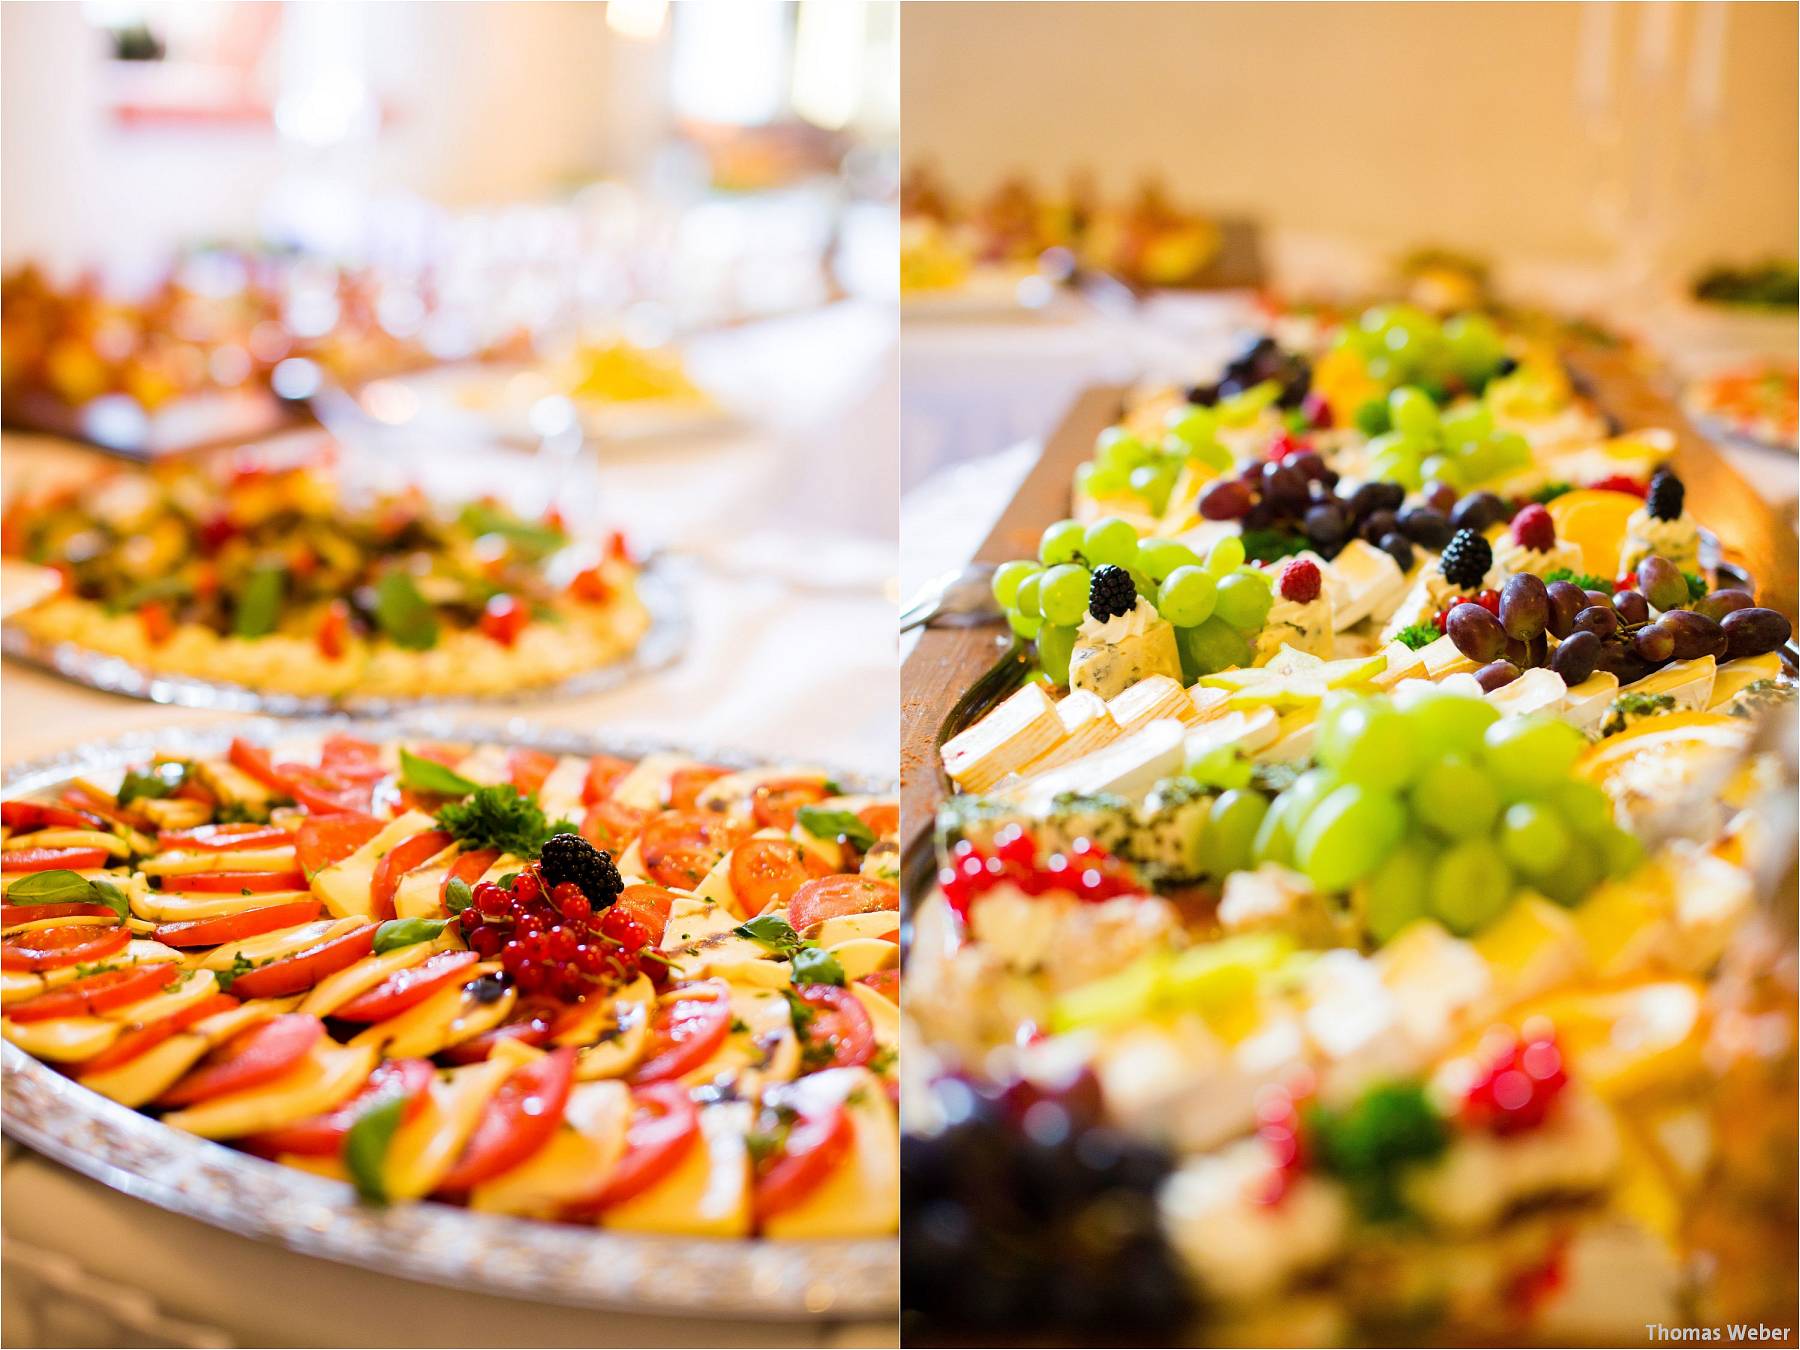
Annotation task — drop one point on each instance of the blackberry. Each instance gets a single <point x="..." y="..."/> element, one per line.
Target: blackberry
<point x="1666" y="495"/>
<point x="1111" y="592"/>
<point x="569" y="857"/>
<point x="1467" y="558"/>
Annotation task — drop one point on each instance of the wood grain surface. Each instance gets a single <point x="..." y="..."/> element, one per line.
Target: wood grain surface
<point x="948" y="660"/>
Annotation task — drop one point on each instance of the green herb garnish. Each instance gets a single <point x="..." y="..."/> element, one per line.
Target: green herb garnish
<point x="366" y="1145"/>
<point x="1696" y="584"/>
<point x="63" y="887"/>
<point x="822" y="823"/>
<point x="772" y="932"/>
<point x="403" y="613"/>
<point x="498" y="817"/>
<point x="815" y="965"/>
<point x="259" y="603"/>
<point x="397" y="933"/>
<point x="1550" y="492"/>
<point x="427" y="775"/>
<point x="160" y="780"/>
<point x="1367" y="1144"/>
<point x="1418" y="635"/>
<point x="1585" y="580"/>
<point x="530" y="538"/>
<point x="1271" y="545"/>
<point x="240" y="965"/>
<point x="458" y="896"/>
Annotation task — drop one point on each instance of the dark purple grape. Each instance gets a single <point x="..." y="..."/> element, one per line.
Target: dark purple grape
<point x="1310" y="464"/>
<point x="1440" y="497"/>
<point x="1476" y="633"/>
<point x="1365" y="498"/>
<point x="1720" y="603"/>
<point x="1518" y="652"/>
<point x="1426" y="527"/>
<point x="1695" y="634"/>
<point x="1479" y="510"/>
<point x="1599" y="620"/>
<point x="1226" y="500"/>
<point x="1261" y="516"/>
<point x="1397" y="547"/>
<point x="1496" y="675"/>
<point x="1524" y="606"/>
<point x="1284" y="487"/>
<point x="1632" y="606"/>
<point x="1377" y="523"/>
<point x="1251" y="473"/>
<point x="1566" y="601"/>
<point x="1654" y="643"/>
<point x="1575" y="658"/>
<point x="1601" y="598"/>
<point x="1538" y="649"/>
<point x="1662" y="583"/>
<point x="1325" y="523"/>
<point x="1751" y="632"/>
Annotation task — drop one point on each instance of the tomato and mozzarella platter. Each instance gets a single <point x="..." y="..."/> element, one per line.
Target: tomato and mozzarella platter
<point x="654" y="994"/>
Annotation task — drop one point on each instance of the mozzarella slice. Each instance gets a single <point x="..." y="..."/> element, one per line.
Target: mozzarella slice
<point x="646" y="786"/>
<point x="573" y="1164"/>
<point x="426" y="1147"/>
<point x="338" y="988"/>
<point x="178" y="864"/>
<point x="267" y="947"/>
<point x="22" y="984"/>
<point x="861" y="1196"/>
<point x="114" y="846"/>
<point x="325" y="1078"/>
<point x="179" y="907"/>
<point x="707" y="1194"/>
<point x="450" y="1016"/>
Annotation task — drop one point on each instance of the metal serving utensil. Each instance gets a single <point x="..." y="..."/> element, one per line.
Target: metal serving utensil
<point x="960" y="599"/>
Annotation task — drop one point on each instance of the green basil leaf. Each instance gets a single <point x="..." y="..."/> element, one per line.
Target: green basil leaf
<point x="458" y="896"/>
<point x="815" y="965"/>
<point x="506" y="881"/>
<point x="772" y="932"/>
<point x="821" y="823"/>
<point x="366" y="1145"/>
<point x="158" y="781"/>
<point x="397" y="933"/>
<point x="404" y="614"/>
<point x="240" y="965"/>
<point x="532" y="539"/>
<point x="105" y="893"/>
<point x="57" y="887"/>
<point x="259" y="603"/>
<point x="427" y="775"/>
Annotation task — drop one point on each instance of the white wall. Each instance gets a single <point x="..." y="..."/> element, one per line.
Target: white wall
<point x="1392" y="123"/>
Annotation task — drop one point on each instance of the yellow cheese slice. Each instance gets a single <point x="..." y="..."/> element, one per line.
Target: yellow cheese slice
<point x="612" y="1031"/>
<point x="449" y="1017"/>
<point x="861" y="1196"/>
<point x="1736" y="676"/>
<point x="760" y="1049"/>
<point x="560" y="795"/>
<point x="267" y="947"/>
<point x="846" y="927"/>
<point x="176" y="907"/>
<point x="575" y="1162"/>
<point x="646" y="786"/>
<point x="1007" y="739"/>
<point x="61" y="1040"/>
<point x="176" y="864"/>
<point x="147" y="1076"/>
<point x="345" y="885"/>
<point x="22" y="984"/>
<point x="338" y="988"/>
<point x="426" y="1147"/>
<point x="325" y="1078"/>
<point x="1153" y="697"/>
<point x="693" y="919"/>
<point x="707" y="1194"/>
<point x="420" y="892"/>
<point x="865" y="956"/>
<point x="114" y="846"/>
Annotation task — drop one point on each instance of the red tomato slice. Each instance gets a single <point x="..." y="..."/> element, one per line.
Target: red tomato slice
<point x="322" y="791"/>
<point x="53" y="948"/>
<point x="685" y="784"/>
<point x="50" y="859"/>
<point x="85" y="803"/>
<point x="469" y="868"/>
<point x="21" y="815"/>
<point x="352" y="760"/>
<point x="665" y="1124"/>
<point x="528" y="769"/>
<point x="650" y="905"/>
<point x="136" y="1041"/>
<point x="612" y="825"/>
<point x="838" y="1021"/>
<point x="603" y="775"/>
<point x="231" y="927"/>
<point x="777" y="802"/>
<point x="884" y="982"/>
<point x="398" y="861"/>
<point x="12" y="916"/>
<point x="517" y="1121"/>
<point x="881" y="817"/>
<point x="224" y="883"/>
<point x="814" y="1148"/>
<point x="324" y="840"/>
<point x="223" y="838"/>
<point x="403" y="988"/>
<point x="687" y="1027"/>
<point x="264" y="1052"/>
<point x="765" y="873"/>
<point x="254" y="760"/>
<point x="305" y="968"/>
<point x="680" y="847"/>
<point x="323" y="1135"/>
<point x="835" y="896"/>
<point x="96" y="994"/>
<point x="534" y="1025"/>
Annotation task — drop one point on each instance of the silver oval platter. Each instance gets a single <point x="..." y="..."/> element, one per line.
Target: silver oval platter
<point x="659" y="586"/>
<point x="567" y="1264"/>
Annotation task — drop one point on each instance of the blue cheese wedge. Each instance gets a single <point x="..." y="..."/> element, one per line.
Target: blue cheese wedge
<point x="1688" y="683"/>
<point x="1007" y="739"/>
<point x="1113" y="655"/>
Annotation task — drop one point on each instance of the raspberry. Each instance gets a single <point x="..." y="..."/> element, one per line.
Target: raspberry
<point x="1300" y="581"/>
<point x="1533" y="528"/>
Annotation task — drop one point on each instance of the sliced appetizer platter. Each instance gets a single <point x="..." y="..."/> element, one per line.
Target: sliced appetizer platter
<point x="256" y="579"/>
<point x="650" y="996"/>
<point x="1348" y="887"/>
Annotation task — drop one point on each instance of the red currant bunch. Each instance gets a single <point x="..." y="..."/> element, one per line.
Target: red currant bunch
<point x="550" y="940"/>
<point x="1519" y="1078"/>
<point x="1278" y="1126"/>
<point x="1086" y="870"/>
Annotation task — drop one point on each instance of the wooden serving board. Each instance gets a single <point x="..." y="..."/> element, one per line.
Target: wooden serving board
<point x="948" y="662"/>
